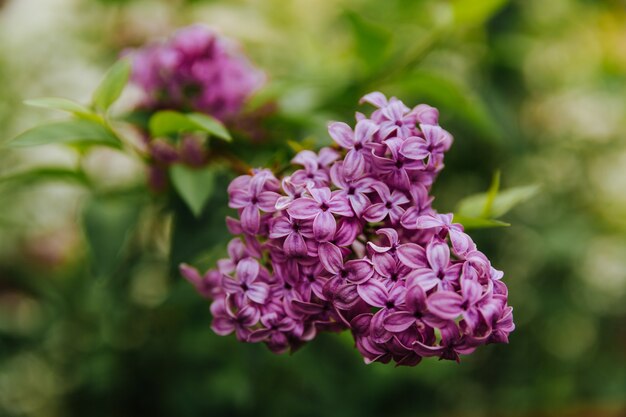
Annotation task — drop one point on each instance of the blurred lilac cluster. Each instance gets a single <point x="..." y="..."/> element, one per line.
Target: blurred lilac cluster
<point x="195" y="70"/>
<point x="350" y="240"/>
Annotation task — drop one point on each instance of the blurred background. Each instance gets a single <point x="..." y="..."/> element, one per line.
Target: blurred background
<point x="534" y="88"/>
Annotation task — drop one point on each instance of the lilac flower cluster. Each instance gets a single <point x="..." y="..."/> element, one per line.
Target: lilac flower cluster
<point x="350" y="240"/>
<point x="196" y="70"/>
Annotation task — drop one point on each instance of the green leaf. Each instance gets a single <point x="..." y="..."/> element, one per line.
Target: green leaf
<point x="56" y="103"/>
<point x="475" y="13"/>
<point x="372" y="41"/>
<point x="170" y="122"/>
<point x="210" y="125"/>
<point x="112" y="85"/>
<point x="193" y="236"/>
<point x="109" y="221"/>
<point x="473" y="206"/>
<point x="478" y="223"/>
<point x="492" y="193"/>
<point x="512" y="197"/>
<point x="295" y="146"/>
<point x="84" y="132"/>
<point x="41" y="174"/>
<point x="193" y="185"/>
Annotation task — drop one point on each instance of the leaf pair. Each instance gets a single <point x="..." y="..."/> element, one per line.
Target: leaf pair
<point x="480" y="211"/>
<point x="168" y="122"/>
<point x="89" y="126"/>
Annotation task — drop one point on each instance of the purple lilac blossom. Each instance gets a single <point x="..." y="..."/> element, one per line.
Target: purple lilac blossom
<point x="195" y="70"/>
<point x="349" y="240"/>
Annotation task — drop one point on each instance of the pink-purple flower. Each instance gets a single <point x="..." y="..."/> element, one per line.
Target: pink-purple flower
<point x="195" y="70"/>
<point x="321" y="207"/>
<point x="348" y="239"/>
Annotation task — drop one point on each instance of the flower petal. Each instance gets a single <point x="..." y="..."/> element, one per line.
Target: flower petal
<point x="306" y="158"/>
<point x="438" y="255"/>
<point x="259" y="335"/>
<point x="321" y="195"/>
<point x="267" y="201"/>
<point x="384" y="264"/>
<point x="416" y="298"/>
<point x="426" y="114"/>
<point x="445" y="304"/>
<point x="191" y="274"/>
<point x="342" y="134"/>
<point x="258" y="292"/>
<point x="295" y="245"/>
<point x="347" y="231"/>
<point x="398" y="322"/>
<point x="414" y="148"/>
<point x="327" y="156"/>
<point x="390" y="234"/>
<point x="398" y="198"/>
<point x="364" y="131"/>
<point x="353" y="164"/>
<point x="461" y="243"/>
<point x="280" y="227"/>
<point x="359" y="271"/>
<point x="303" y="307"/>
<point x="378" y="249"/>
<point x="375" y="213"/>
<point x="423" y="277"/>
<point x="250" y="219"/>
<point x="303" y="208"/>
<point x="471" y="291"/>
<point x="234" y="226"/>
<point x="359" y="203"/>
<point x="238" y="199"/>
<point x="230" y="285"/>
<point x="373" y="293"/>
<point x="324" y="226"/>
<point x="376" y="98"/>
<point x="339" y="204"/>
<point x="429" y="221"/>
<point x="378" y="333"/>
<point x="222" y="326"/>
<point x="330" y="257"/>
<point x="247" y="270"/>
<point x="412" y="255"/>
<point x="248" y="316"/>
<point x="409" y="218"/>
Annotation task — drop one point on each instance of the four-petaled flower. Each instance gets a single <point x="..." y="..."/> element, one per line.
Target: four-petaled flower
<point x="449" y="305"/>
<point x="249" y="195"/>
<point x="247" y="286"/>
<point x="294" y="231"/>
<point x="358" y="144"/>
<point x="321" y="207"/>
<point x="394" y="167"/>
<point x="439" y="271"/>
<point x="390" y="205"/>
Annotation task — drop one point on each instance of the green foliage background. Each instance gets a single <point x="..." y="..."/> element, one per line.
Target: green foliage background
<point x="95" y="321"/>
